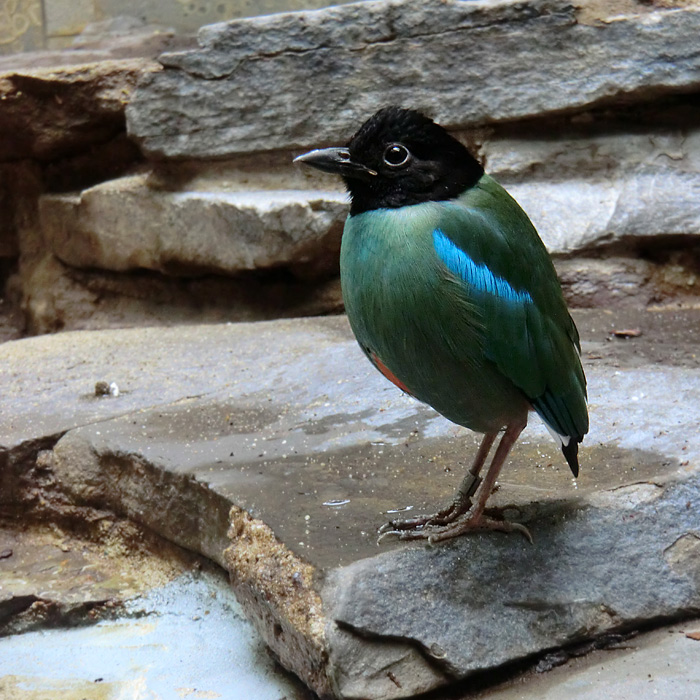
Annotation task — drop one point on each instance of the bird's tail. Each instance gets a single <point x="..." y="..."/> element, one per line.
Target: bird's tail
<point x="569" y="446"/>
<point x="570" y="452"/>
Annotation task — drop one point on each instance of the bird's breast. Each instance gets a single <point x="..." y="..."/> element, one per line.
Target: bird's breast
<point x="404" y="315"/>
<point x="387" y="269"/>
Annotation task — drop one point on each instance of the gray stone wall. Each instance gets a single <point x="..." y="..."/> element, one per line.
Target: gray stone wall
<point x="149" y="179"/>
<point x="29" y="25"/>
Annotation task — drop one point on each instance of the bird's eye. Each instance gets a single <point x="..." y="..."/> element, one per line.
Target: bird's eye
<point x="396" y="155"/>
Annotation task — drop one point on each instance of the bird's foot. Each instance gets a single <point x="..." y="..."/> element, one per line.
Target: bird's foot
<point x="433" y="532"/>
<point x="417" y="523"/>
<point x="458" y="508"/>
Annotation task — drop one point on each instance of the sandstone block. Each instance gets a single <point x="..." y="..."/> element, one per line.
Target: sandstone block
<point x="49" y="112"/>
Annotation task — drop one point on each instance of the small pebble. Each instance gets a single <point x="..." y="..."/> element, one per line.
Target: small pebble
<point x="106" y="389"/>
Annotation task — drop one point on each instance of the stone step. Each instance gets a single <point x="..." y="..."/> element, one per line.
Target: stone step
<point x="276" y="450"/>
<point x="202" y="243"/>
<point x="126" y="224"/>
<point x="299" y="79"/>
<point x="63" y="109"/>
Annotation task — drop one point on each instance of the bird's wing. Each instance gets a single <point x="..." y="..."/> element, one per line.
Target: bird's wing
<point x="495" y="263"/>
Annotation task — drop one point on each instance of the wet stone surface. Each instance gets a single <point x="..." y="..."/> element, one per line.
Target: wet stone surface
<point x="53" y="577"/>
<point x="290" y="425"/>
<point x="153" y="648"/>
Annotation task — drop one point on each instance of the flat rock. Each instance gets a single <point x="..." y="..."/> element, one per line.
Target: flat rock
<point x="247" y="87"/>
<point x="283" y="435"/>
<point x="577" y="215"/>
<point x="125" y="224"/>
<point x="58" y="110"/>
<point x="214" y="226"/>
<point x="658" y="664"/>
<point x="60" y="297"/>
<point x="130" y="654"/>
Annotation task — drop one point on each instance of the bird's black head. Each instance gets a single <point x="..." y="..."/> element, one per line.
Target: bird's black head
<point x="399" y="157"/>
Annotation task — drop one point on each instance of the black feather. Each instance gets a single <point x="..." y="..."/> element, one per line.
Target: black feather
<point x="570" y="452"/>
<point x="439" y="168"/>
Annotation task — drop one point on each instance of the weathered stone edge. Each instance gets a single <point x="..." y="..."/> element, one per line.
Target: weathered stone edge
<point x="274" y="586"/>
<point x="244" y="230"/>
<point x="221" y="71"/>
<point x="99" y="92"/>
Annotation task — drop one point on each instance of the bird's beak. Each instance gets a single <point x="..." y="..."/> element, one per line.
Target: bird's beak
<point x="336" y="160"/>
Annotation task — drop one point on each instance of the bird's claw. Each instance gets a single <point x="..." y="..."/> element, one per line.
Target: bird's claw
<point x="517" y="527"/>
<point x="436" y="533"/>
<point x="386" y="529"/>
<point x="461" y="505"/>
<point x="403" y="535"/>
<point x="383" y="534"/>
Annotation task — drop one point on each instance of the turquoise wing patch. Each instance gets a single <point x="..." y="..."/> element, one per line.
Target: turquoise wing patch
<point x="475" y="275"/>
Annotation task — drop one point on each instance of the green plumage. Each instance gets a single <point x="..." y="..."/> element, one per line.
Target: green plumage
<point x="453" y="297"/>
<point x="477" y="358"/>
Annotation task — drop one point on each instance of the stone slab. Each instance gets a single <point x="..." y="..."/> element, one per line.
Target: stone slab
<point x="247" y="87"/>
<point x="310" y="448"/>
<point x="618" y="559"/>
<point x="49" y="381"/>
<point x="58" y="110"/>
<point x="126" y="224"/>
<point x="578" y="215"/>
<point x="664" y="663"/>
<point x="153" y="648"/>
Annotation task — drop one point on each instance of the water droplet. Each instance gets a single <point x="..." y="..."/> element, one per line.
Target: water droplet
<point x="399" y="510"/>
<point x="437" y="651"/>
<point x="337" y="502"/>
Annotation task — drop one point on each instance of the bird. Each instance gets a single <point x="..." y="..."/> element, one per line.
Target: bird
<point x="453" y="297"/>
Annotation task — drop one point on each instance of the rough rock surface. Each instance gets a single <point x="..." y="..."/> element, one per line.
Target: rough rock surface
<point x="289" y="425"/>
<point x="58" y="297"/>
<point x="576" y="215"/>
<point x="247" y="88"/>
<point x="51" y="577"/>
<point x="53" y="111"/>
<point x="633" y="189"/>
<point x="660" y="664"/>
<point x="125" y="224"/>
<point x="606" y="164"/>
<point x="606" y="199"/>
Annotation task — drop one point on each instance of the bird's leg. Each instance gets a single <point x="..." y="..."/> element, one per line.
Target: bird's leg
<point x="475" y="520"/>
<point x="462" y="501"/>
